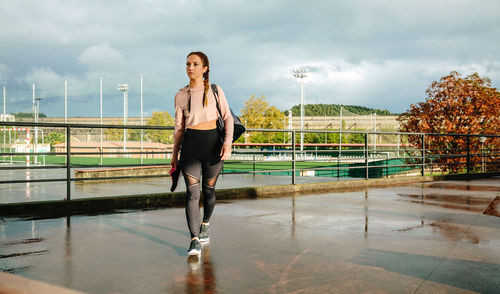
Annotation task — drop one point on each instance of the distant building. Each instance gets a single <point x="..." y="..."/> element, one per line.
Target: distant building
<point x="7" y="117"/>
<point x="117" y="147"/>
<point x="352" y="122"/>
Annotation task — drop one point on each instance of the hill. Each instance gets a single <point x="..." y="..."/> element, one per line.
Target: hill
<point x="29" y="115"/>
<point x="334" y="110"/>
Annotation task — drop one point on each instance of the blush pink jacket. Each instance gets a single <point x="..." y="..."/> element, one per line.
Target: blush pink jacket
<point x="199" y="113"/>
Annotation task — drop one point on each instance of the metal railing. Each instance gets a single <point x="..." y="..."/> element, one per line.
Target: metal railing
<point x="450" y="160"/>
<point x="360" y="155"/>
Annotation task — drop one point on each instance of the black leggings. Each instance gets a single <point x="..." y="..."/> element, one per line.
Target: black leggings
<point x="200" y="156"/>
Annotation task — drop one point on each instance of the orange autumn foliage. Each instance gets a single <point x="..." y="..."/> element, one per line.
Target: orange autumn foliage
<point x="460" y="106"/>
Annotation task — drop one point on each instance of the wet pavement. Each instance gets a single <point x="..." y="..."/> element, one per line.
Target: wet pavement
<point x="420" y="238"/>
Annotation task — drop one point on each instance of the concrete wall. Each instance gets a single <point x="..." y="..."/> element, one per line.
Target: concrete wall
<point x="352" y="123"/>
<point x="363" y="122"/>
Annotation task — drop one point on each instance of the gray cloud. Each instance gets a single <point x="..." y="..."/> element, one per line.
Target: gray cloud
<point x="102" y="58"/>
<point x="382" y="53"/>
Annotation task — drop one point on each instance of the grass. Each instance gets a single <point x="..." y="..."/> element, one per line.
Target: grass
<point x="87" y="161"/>
<point x="321" y="169"/>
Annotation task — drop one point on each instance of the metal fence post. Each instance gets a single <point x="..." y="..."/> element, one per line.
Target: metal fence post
<point x="68" y="162"/>
<point x="468" y="154"/>
<point x="366" y="156"/>
<point x="386" y="165"/>
<point x="422" y="172"/>
<point x="293" y="157"/>
<point x="253" y="165"/>
<point x="338" y="167"/>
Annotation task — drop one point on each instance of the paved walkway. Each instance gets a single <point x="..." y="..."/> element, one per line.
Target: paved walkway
<point x="410" y="239"/>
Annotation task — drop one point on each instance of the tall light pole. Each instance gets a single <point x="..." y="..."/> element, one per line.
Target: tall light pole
<point x="124" y="89"/>
<point x="37" y="112"/>
<point x="100" y="116"/>
<point x="65" y="101"/>
<point x="284" y="126"/>
<point x="5" y="119"/>
<point x="375" y="130"/>
<point x="301" y="73"/>
<point x="142" y="131"/>
<point x="4" y="102"/>
<point x="33" y="101"/>
<point x="65" y="112"/>
<point x="340" y="137"/>
<point x="36" y="128"/>
<point x="290" y="125"/>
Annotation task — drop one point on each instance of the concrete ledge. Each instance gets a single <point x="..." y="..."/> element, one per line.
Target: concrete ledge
<point x="96" y="205"/>
<point x="82" y="174"/>
<point x="13" y="284"/>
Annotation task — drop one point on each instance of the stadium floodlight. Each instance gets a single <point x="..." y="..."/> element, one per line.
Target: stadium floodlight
<point x="301" y="73"/>
<point x="124" y="88"/>
<point x="4" y="101"/>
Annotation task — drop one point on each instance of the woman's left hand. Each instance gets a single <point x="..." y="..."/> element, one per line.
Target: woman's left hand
<point x="225" y="152"/>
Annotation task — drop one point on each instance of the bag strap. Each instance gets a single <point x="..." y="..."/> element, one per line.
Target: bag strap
<point x="189" y="100"/>
<point x="216" y="95"/>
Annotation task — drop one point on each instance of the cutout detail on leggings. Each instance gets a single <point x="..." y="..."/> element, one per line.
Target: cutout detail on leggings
<point x="211" y="182"/>
<point x="191" y="180"/>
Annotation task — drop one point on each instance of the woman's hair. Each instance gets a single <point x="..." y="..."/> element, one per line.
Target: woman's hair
<point x="206" y="79"/>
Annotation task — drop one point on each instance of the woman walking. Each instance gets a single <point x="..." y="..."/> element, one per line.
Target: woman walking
<point x="197" y="139"/>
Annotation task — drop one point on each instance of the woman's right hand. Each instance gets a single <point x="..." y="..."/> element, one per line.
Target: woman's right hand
<point x="173" y="162"/>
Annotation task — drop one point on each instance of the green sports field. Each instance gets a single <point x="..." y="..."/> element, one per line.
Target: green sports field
<point x="377" y="169"/>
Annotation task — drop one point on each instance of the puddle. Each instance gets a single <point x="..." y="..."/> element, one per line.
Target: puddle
<point x="454" y="232"/>
<point x="494" y="208"/>
<point x="450" y="206"/>
<point x="24" y="241"/>
<point x="463" y="187"/>
<point x="467" y="203"/>
<point x="16" y="270"/>
<point x="40" y="252"/>
<point x="450" y="231"/>
<point x="455" y="199"/>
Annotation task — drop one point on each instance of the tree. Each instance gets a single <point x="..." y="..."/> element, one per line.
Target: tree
<point x="27" y="114"/>
<point x="55" y="138"/>
<point x="334" y="110"/>
<point x="454" y="105"/>
<point x="160" y="118"/>
<point x="254" y="112"/>
<point x="258" y="114"/>
<point x="114" y="134"/>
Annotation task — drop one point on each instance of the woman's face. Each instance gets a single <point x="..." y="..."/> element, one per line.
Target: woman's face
<point x="195" y="68"/>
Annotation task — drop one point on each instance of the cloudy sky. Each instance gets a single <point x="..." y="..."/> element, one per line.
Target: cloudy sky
<point x="381" y="53"/>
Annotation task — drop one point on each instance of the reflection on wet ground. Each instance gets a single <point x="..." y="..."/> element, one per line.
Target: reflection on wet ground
<point x="485" y="185"/>
<point x="494" y="207"/>
<point x="11" y="251"/>
<point x="200" y="275"/>
<point x="451" y="232"/>
<point x="468" y="203"/>
<point x="467" y="195"/>
<point x="405" y="239"/>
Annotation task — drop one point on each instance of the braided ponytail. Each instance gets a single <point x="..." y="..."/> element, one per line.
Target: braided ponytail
<point x="206" y="79"/>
